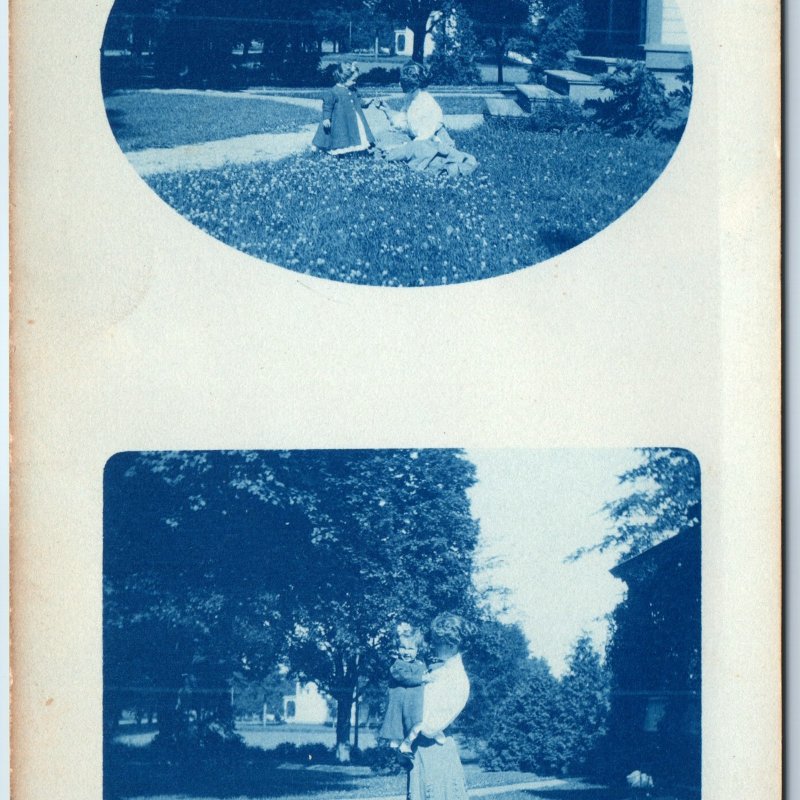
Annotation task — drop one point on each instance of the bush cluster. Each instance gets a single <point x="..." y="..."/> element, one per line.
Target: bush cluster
<point x="381" y="76"/>
<point x="289" y="753"/>
<point x="377" y="76"/>
<point x="294" y="69"/>
<point x="551" y="726"/>
<point x="639" y="105"/>
<point x="381" y="760"/>
<point x="558" y="117"/>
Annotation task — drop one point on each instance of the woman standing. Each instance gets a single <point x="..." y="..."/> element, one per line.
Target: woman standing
<point x="436" y="772"/>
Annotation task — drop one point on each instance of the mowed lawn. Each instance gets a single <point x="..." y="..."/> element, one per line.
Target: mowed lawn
<point x="142" y="119"/>
<point x="366" y="221"/>
<point x="258" y="779"/>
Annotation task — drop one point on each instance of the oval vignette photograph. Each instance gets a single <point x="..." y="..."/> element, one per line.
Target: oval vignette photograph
<point x="398" y="142"/>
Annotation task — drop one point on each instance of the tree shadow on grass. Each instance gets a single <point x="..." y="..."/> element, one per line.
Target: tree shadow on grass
<point x="236" y="778"/>
<point x="558" y="240"/>
<point x="583" y="792"/>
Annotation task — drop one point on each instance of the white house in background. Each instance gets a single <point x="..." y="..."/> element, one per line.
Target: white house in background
<point x="404" y="38"/>
<point x="306" y="706"/>
<point x="404" y="43"/>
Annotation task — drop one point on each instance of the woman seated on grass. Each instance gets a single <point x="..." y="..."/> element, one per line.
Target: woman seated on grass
<point x="431" y="148"/>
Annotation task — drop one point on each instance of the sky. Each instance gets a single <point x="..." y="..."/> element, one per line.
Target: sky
<point x="535" y="507"/>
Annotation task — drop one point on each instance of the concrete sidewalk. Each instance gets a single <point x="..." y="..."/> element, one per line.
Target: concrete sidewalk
<point x="491" y="791"/>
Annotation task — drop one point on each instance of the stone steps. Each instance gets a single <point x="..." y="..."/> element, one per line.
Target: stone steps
<point x="577" y="86"/>
<point x="528" y="94"/>
<point x="595" y="65"/>
<point x="502" y="107"/>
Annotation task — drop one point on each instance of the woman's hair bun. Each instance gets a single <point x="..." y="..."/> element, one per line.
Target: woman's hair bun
<point x="416" y="74"/>
<point x="451" y="628"/>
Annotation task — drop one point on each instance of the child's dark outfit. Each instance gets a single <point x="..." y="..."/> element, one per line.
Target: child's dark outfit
<point x="349" y="131"/>
<point x="404" y="709"/>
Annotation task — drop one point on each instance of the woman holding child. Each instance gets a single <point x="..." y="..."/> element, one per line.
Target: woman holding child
<point x="427" y="703"/>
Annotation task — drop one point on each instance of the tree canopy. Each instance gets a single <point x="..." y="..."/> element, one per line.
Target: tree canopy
<point x="229" y="562"/>
<point x="662" y="498"/>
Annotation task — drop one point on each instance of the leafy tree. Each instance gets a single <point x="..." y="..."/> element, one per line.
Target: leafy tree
<point x="545" y="725"/>
<point x="230" y="562"/>
<point x="496" y="660"/>
<point x="559" y="32"/>
<point x="585" y="698"/>
<point x="663" y="498"/>
<point x="418" y="15"/>
<point x="191" y="569"/>
<point x="393" y="540"/>
<point x="455" y="49"/>
<point x="528" y="732"/>
<point x="253" y="697"/>
<point x="499" y="25"/>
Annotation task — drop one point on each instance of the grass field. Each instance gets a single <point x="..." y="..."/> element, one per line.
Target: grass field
<point x="130" y="775"/>
<point x="365" y="221"/>
<point x="153" y="119"/>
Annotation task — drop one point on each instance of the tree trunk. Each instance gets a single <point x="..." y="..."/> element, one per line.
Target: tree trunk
<point x="355" y="731"/>
<point x="501" y="53"/>
<point x="344" y="706"/>
<point x="419" y="27"/>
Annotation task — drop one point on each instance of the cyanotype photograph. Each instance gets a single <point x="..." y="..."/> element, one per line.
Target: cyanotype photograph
<point x="398" y="142"/>
<point x="430" y="624"/>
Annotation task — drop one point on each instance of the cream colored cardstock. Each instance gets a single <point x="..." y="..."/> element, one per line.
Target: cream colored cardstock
<point x="134" y="330"/>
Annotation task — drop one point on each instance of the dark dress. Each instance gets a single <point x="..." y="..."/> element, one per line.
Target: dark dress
<point x="404" y="708"/>
<point x="349" y="131"/>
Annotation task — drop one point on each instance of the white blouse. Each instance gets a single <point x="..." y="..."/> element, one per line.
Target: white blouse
<point x="444" y="697"/>
<point x="422" y="118"/>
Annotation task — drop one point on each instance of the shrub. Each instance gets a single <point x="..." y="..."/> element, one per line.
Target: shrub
<point x="381" y="760"/>
<point x="326" y="75"/>
<point x="638" y="105"/>
<point x="289" y="753"/>
<point x="196" y="745"/>
<point x="380" y="76"/>
<point x="291" y="69"/>
<point x="557" y="117"/>
<point x="679" y="101"/>
<point x="529" y="732"/>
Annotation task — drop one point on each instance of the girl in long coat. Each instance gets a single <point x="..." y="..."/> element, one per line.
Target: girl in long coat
<point x="344" y="128"/>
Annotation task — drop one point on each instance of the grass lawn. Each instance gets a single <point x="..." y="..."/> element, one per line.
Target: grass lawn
<point x="130" y="775"/>
<point x="365" y="221"/>
<point x="151" y="119"/>
<point x="450" y="104"/>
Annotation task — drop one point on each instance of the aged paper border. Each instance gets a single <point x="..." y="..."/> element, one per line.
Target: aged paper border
<point x="131" y="330"/>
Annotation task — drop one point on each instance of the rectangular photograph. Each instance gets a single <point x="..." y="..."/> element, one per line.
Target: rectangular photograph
<point x="430" y="624"/>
